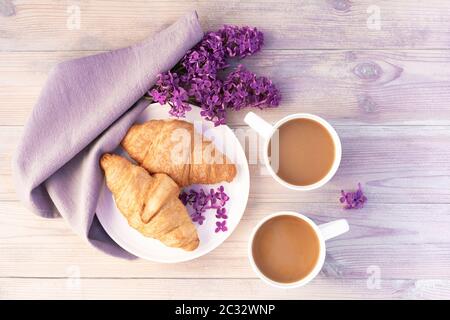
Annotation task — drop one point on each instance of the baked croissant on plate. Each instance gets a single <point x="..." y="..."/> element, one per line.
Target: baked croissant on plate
<point x="149" y="202"/>
<point x="173" y="147"/>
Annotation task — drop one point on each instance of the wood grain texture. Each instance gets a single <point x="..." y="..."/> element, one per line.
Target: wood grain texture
<point x="51" y="288"/>
<point x="289" y="24"/>
<point x="386" y="91"/>
<point x="396" y="164"/>
<point x="346" y="87"/>
<point x="386" y="236"/>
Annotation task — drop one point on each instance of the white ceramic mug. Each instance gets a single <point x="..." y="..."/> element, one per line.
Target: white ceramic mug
<point x="324" y="232"/>
<point x="266" y="131"/>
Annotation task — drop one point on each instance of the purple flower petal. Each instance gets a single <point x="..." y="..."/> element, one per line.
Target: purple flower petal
<point x="221" y="213"/>
<point x="353" y="200"/>
<point x="221" y="226"/>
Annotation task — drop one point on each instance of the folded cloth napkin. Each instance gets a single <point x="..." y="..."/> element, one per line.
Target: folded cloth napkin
<point x="84" y="110"/>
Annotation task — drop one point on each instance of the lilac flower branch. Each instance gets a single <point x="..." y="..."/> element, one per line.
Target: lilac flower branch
<point x="195" y="79"/>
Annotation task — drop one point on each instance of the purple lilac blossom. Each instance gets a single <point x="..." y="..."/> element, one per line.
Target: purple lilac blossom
<point x="196" y="80"/>
<point x="221" y="226"/>
<point x="168" y="90"/>
<point x="241" y="41"/>
<point x="221" y="213"/>
<point x="202" y="201"/>
<point x="353" y="200"/>
<point x="243" y="88"/>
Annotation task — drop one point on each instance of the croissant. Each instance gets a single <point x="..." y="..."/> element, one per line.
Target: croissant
<point x="173" y="147"/>
<point x="149" y="203"/>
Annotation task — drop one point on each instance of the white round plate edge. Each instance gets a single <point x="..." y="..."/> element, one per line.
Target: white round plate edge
<point x="105" y="195"/>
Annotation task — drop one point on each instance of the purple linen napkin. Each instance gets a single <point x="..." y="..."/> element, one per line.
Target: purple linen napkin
<point x="84" y="110"/>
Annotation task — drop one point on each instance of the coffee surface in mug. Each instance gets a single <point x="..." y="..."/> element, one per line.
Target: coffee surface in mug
<point x="306" y="152"/>
<point x="285" y="249"/>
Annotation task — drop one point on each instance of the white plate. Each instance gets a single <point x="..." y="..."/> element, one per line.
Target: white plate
<point x="134" y="242"/>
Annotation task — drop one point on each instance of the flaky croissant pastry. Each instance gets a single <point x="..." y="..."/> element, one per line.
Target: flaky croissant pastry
<point x="173" y="147"/>
<point x="149" y="203"/>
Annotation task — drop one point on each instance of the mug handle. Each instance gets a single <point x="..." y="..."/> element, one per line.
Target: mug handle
<point x="333" y="229"/>
<point x="261" y="126"/>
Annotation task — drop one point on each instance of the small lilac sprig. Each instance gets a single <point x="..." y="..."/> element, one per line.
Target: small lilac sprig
<point x="353" y="200"/>
<point x="202" y="201"/>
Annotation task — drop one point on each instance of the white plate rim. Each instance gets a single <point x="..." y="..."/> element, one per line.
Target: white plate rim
<point x="195" y="254"/>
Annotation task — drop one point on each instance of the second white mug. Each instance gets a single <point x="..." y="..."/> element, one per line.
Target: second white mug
<point x="324" y="232"/>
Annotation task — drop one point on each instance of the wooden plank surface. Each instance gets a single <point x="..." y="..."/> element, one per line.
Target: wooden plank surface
<point x="55" y="288"/>
<point x="408" y="87"/>
<point x="289" y="24"/>
<point x="396" y="164"/>
<point x="385" y="89"/>
<point x="387" y="236"/>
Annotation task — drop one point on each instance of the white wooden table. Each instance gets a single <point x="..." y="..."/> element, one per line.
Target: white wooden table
<point x="385" y="85"/>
